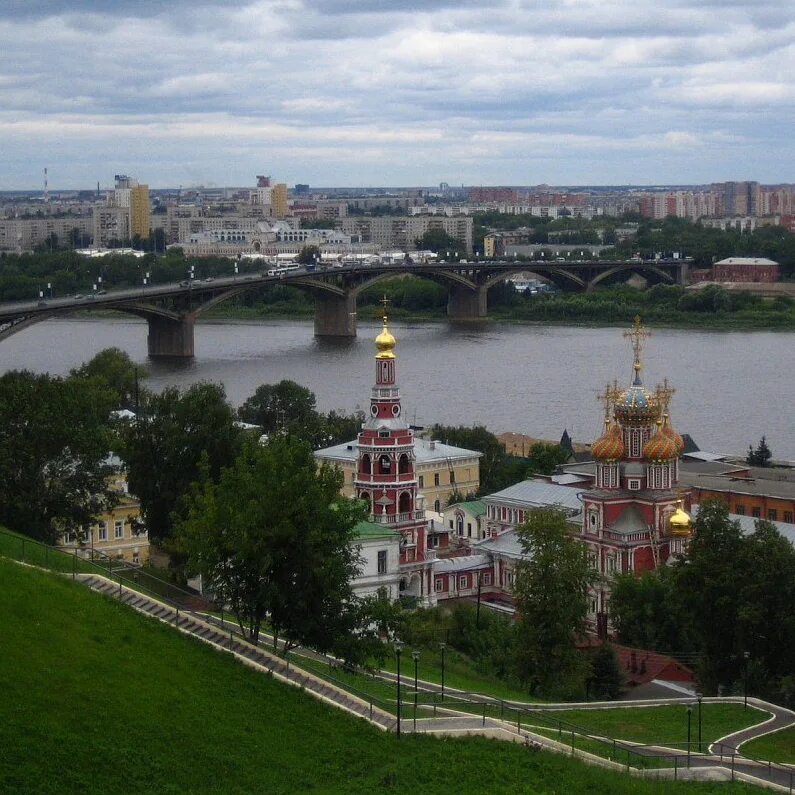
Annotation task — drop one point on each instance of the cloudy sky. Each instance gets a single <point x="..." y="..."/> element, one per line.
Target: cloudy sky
<point x="400" y="92"/>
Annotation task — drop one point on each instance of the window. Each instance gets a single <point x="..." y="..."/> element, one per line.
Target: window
<point x="436" y="479"/>
<point x="382" y="561"/>
<point x="102" y="535"/>
<point x="439" y="584"/>
<point x="772" y="514"/>
<point x="422" y="482"/>
<point x="486" y="578"/>
<point x="611" y="563"/>
<point x="633" y="484"/>
<point x="787" y="516"/>
<point x="469" y="529"/>
<point x="452" y="476"/>
<point x="450" y="522"/>
<point x="739" y="510"/>
<point x="385" y="464"/>
<point x="437" y="506"/>
<point x="463" y="582"/>
<point x="756" y="513"/>
<point x="433" y="541"/>
<point x="118" y="529"/>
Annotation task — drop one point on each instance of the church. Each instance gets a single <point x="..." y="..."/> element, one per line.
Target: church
<point x="630" y="513"/>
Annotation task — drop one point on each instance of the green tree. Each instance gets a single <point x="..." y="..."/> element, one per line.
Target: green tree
<point x="438" y="240"/>
<point x="165" y="446"/>
<point x="118" y="372"/>
<point x="286" y="406"/>
<point x="273" y="537"/>
<point x="761" y="456"/>
<point x="605" y="681"/>
<point x="54" y="443"/>
<point x="544" y="458"/>
<point x="551" y="592"/>
<point x="308" y="254"/>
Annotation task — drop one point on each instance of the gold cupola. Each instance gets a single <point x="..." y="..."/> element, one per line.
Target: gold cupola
<point x="680" y="522"/>
<point x="385" y="343"/>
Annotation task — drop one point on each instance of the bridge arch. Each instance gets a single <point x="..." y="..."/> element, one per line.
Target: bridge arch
<point x="559" y="276"/>
<point x="446" y="278"/>
<point x="630" y="268"/>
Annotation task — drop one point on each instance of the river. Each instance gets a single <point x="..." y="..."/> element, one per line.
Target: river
<point x="732" y="387"/>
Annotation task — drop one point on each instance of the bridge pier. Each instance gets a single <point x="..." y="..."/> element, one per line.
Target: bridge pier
<point x="170" y="337"/>
<point x="467" y="306"/>
<point x="335" y="315"/>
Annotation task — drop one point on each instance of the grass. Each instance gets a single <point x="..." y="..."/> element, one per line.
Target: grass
<point x="777" y="747"/>
<point x="98" y="699"/>
<point x="460" y="673"/>
<point x="664" y="725"/>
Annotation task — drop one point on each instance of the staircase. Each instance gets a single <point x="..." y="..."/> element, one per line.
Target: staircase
<point x="189" y="623"/>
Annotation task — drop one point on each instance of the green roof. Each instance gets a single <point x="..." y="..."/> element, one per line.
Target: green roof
<point x="475" y="507"/>
<point x="366" y="531"/>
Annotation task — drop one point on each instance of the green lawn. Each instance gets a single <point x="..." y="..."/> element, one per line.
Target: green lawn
<point x="459" y="673"/>
<point x="99" y="699"/>
<point x="777" y="747"/>
<point x="664" y="725"/>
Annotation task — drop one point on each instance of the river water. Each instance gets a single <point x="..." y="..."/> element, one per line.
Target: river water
<point x="732" y="387"/>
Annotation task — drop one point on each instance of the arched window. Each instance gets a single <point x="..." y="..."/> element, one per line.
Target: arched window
<point x="403" y="464"/>
<point x="437" y="506"/>
<point x="365" y="495"/>
<point x="460" y="524"/>
<point x="404" y="502"/>
<point x="385" y="465"/>
<point x="366" y="468"/>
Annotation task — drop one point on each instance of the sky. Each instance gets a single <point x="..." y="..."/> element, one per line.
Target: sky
<point x="399" y="93"/>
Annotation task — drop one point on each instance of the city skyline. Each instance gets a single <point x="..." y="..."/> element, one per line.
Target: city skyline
<point x="404" y="93"/>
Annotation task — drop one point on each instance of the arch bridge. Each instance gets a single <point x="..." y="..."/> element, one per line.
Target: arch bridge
<point x="171" y="310"/>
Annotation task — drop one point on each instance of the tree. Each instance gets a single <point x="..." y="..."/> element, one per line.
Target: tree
<point x="544" y="458"/>
<point x="551" y="592"/>
<point x="761" y="456"/>
<point x="278" y="407"/>
<point x="54" y="443"/>
<point x="273" y="537"/>
<point x="308" y="255"/>
<point x="605" y="681"/>
<point x="165" y="446"/>
<point x="438" y="240"/>
<point x="118" y="372"/>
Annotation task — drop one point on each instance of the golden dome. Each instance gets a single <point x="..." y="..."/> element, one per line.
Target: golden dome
<point x="610" y="446"/>
<point x="385" y="343"/>
<point x="676" y="438"/>
<point x="660" y="447"/>
<point x="680" y="523"/>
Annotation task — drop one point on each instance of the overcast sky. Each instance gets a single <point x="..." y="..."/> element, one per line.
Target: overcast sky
<point x="380" y="92"/>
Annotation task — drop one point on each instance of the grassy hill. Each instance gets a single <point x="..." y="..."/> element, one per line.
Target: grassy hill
<point x="98" y="699"/>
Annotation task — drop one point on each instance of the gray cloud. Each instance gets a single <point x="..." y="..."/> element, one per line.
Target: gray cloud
<point x="568" y="91"/>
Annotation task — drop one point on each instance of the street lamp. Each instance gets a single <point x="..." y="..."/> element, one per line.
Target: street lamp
<point x="442" y="647"/>
<point x="398" y="650"/>
<point x="700" y="697"/>
<point x="746" y="657"/>
<point x="689" y="716"/>
<point x="416" y="655"/>
<point x="49" y="287"/>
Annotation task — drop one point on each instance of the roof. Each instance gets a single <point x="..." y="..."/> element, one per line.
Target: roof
<point x="567" y="478"/>
<point x="426" y="451"/>
<point x="506" y="544"/>
<point x="475" y="507"/>
<point x="537" y="493"/>
<point x="369" y="531"/>
<point x="762" y="487"/>
<point x="746" y="261"/>
<point x="702" y="455"/>
<point x="748" y="525"/>
<point x="462" y="563"/>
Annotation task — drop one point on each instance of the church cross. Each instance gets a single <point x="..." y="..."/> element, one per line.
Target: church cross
<point x="664" y="394"/>
<point x="638" y="336"/>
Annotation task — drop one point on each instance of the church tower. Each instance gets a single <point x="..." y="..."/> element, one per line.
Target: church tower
<point x="386" y="476"/>
<point x="634" y="517"/>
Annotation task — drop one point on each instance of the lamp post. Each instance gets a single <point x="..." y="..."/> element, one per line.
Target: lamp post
<point x="416" y="655"/>
<point x="442" y="647"/>
<point x="700" y="697"/>
<point x="398" y="650"/>
<point x="746" y="657"/>
<point x="689" y="716"/>
<point x="49" y="287"/>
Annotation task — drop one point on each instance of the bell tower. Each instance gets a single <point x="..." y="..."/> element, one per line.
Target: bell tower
<point x="386" y="477"/>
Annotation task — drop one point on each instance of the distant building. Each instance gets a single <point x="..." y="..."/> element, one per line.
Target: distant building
<point x="134" y="197"/>
<point x="119" y="533"/>
<point x="740" y="270"/>
<point x="442" y="469"/>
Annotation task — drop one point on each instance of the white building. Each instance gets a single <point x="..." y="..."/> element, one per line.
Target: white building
<point x="379" y="547"/>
